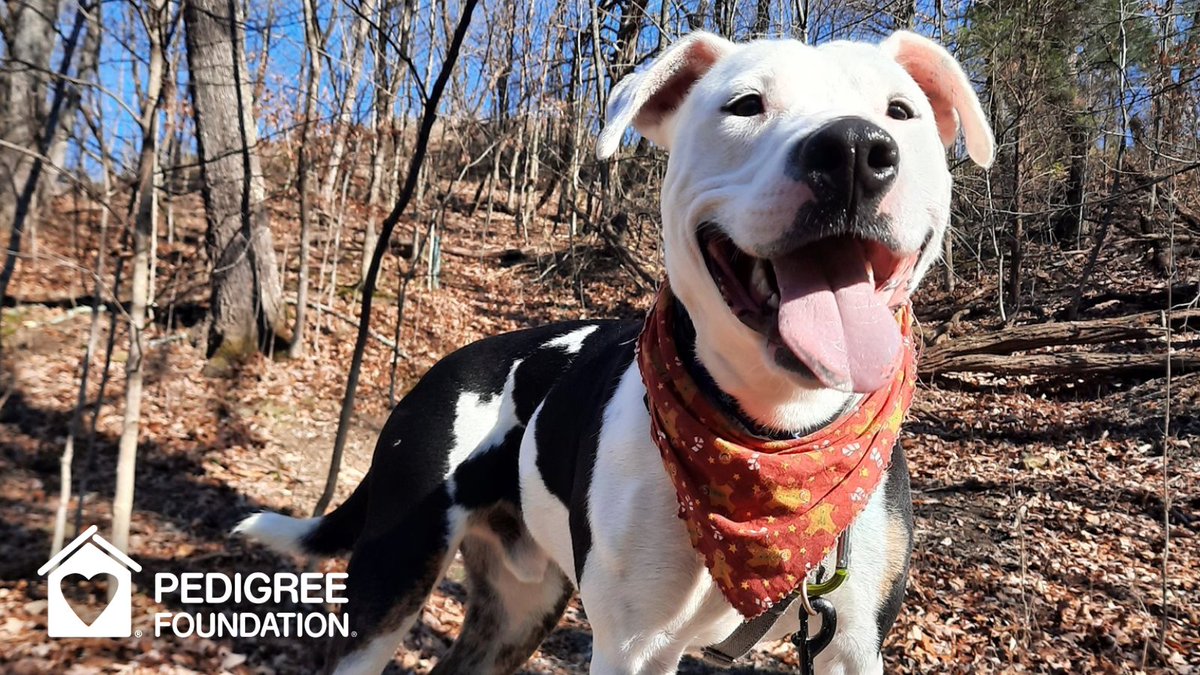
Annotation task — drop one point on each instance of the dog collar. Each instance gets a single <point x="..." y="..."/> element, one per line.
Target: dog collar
<point x="763" y="513"/>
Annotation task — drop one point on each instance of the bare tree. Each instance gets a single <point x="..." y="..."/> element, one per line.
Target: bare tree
<point x="25" y="165"/>
<point x="313" y="47"/>
<point x="153" y="16"/>
<point x="29" y="34"/>
<point x="247" y="308"/>
<point x="341" y="123"/>
<point x="429" y="116"/>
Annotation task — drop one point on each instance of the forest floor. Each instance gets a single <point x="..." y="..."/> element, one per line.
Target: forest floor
<point x="1039" y="501"/>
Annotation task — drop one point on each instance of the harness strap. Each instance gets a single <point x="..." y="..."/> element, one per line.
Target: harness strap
<point x="751" y="632"/>
<point x="743" y="639"/>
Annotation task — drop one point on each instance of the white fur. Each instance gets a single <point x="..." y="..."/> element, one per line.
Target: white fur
<point x="377" y="653"/>
<point x="481" y="422"/>
<point x="276" y="531"/>
<point x="689" y="57"/>
<point x="853" y="649"/>
<point x="572" y="342"/>
<point x="927" y="60"/>
<point x="540" y="509"/>
<point x="648" y="595"/>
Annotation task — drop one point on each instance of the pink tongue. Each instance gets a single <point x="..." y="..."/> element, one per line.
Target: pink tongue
<point x="833" y="320"/>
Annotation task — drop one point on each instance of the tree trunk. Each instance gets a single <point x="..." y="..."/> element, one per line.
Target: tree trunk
<point x="68" y="457"/>
<point x="264" y="53"/>
<point x="697" y="15"/>
<point x="312" y="38"/>
<point x="23" y="95"/>
<point x="724" y="12"/>
<point x="382" y="123"/>
<point x="1109" y="213"/>
<point x="633" y="13"/>
<point x="30" y="173"/>
<point x="802" y="13"/>
<point x="143" y="233"/>
<point x="1067" y="225"/>
<point x="89" y="59"/>
<point x="342" y="123"/>
<point x="906" y="14"/>
<point x="247" y="311"/>
<point x="1016" y="242"/>
<point x="762" y="19"/>
<point x="1066" y="228"/>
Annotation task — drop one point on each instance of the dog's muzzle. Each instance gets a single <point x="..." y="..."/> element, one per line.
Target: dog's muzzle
<point x="824" y="292"/>
<point x="848" y="163"/>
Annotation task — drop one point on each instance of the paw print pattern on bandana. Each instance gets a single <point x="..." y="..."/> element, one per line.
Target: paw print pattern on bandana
<point x="763" y="512"/>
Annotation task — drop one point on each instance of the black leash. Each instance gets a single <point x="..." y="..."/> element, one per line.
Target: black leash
<point x="807" y="648"/>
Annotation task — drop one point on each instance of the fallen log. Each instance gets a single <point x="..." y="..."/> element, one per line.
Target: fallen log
<point x="1180" y="292"/>
<point x="1073" y="363"/>
<point x="1033" y="336"/>
<point x="997" y="351"/>
<point x="507" y="256"/>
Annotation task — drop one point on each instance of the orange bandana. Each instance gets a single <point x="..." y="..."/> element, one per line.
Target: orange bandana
<point x="762" y="512"/>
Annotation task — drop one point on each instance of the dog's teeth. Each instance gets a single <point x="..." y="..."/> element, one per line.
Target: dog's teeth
<point x="773" y="301"/>
<point x="870" y="273"/>
<point x="758" y="278"/>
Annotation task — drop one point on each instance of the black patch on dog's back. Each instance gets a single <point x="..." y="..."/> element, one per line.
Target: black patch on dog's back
<point x="567" y="430"/>
<point x="412" y="454"/>
<point x="491" y="475"/>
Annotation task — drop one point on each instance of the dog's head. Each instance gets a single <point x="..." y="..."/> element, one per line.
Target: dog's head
<point x="806" y="194"/>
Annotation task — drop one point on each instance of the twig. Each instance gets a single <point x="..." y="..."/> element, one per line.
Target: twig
<point x="313" y="304"/>
<point x="1166" y="454"/>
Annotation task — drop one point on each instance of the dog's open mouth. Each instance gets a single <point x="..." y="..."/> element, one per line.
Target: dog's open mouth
<point x="826" y="308"/>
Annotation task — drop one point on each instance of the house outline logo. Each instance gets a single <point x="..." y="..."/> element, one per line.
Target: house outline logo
<point x="89" y="555"/>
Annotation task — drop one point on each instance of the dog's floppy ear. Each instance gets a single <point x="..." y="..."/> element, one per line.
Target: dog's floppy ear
<point x="948" y="90"/>
<point x="649" y="99"/>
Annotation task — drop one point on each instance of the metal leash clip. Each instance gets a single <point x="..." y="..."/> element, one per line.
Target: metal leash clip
<point x="840" y="572"/>
<point x="813" y="603"/>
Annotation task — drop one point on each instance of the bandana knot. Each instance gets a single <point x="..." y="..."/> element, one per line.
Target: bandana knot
<point x="762" y="512"/>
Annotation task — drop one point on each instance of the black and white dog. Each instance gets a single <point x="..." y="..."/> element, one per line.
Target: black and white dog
<point x="530" y="453"/>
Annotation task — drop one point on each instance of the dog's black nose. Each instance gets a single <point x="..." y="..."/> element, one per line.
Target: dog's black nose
<point x="847" y="161"/>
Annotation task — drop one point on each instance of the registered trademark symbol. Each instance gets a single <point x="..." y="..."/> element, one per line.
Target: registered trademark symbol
<point x="137" y="633"/>
<point x="353" y="633"/>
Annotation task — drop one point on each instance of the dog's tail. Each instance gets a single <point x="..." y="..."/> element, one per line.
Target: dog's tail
<point x="325" y="536"/>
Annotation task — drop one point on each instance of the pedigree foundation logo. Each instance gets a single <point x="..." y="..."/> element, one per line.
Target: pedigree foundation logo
<point x="197" y="595"/>
<point x="89" y="556"/>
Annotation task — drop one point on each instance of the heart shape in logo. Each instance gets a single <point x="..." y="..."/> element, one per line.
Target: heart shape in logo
<point x="87" y="595"/>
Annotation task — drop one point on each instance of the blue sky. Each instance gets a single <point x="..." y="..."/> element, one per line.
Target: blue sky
<point x="122" y="63"/>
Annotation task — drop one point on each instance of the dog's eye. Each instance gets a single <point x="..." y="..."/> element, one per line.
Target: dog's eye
<point x="900" y="110"/>
<point x="745" y="106"/>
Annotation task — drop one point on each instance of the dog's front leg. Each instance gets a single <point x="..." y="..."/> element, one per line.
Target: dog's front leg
<point x="644" y="622"/>
<point x="646" y="591"/>
<point x="616" y="652"/>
